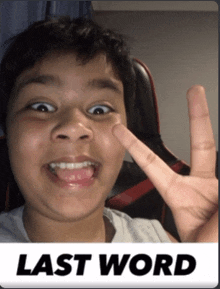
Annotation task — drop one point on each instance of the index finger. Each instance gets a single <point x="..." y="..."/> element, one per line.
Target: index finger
<point x="155" y="168"/>
<point x="203" y="150"/>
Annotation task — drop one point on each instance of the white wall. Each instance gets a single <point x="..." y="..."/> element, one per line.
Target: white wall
<point x="155" y="5"/>
<point x="181" y="49"/>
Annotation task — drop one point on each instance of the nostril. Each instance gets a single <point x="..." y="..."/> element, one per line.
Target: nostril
<point x="84" y="136"/>
<point x="62" y="136"/>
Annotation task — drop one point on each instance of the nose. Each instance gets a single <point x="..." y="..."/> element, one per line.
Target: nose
<point x="72" y="126"/>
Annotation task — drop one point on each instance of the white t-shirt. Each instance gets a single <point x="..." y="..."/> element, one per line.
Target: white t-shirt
<point x="126" y="229"/>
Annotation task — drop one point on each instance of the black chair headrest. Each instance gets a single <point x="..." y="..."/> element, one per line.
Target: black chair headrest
<point x="145" y="113"/>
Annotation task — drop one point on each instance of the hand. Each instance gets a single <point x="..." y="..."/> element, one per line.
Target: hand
<point x="193" y="199"/>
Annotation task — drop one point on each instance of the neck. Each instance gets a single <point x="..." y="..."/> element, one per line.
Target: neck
<point x="43" y="229"/>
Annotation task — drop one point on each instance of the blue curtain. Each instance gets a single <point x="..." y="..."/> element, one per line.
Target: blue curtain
<point x="18" y="15"/>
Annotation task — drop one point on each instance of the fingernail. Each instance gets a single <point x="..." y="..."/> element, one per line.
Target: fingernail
<point x="197" y="101"/>
<point x="195" y="90"/>
<point x="116" y="129"/>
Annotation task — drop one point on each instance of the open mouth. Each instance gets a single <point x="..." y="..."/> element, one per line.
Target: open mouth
<point x="75" y="173"/>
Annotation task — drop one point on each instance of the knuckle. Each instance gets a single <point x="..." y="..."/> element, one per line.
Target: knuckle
<point x="201" y="116"/>
<point x="149" y="159"/>
<point x="206" y="145"/>
<point x="132" y="144"/>
<point x="203" y="174"/>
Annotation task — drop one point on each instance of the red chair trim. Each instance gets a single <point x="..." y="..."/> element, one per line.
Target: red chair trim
<point x="132" y="194"/>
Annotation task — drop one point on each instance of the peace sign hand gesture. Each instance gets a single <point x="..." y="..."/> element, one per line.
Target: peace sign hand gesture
<point x="193" y="199"/>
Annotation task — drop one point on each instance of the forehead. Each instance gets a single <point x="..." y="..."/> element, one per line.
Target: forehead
<point x="65" y="67"/>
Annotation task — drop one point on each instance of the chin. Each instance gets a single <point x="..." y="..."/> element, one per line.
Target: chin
<point x="73" y="210"/>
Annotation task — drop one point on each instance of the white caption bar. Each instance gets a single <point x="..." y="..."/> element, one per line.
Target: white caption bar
<point x="124" y="265"/>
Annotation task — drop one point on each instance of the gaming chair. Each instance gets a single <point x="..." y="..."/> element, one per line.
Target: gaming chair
<point x="133" y="192"/>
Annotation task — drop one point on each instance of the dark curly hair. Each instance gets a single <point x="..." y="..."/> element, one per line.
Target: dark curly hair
<point x="83" y="37"/>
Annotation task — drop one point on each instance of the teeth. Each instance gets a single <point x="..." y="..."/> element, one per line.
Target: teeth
<point x="62" y="165"/>
<point x="71" y="166"/>
<point x="53" y="165"/>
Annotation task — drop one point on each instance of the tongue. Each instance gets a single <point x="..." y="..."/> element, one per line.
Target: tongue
<point x="75" y="175"/>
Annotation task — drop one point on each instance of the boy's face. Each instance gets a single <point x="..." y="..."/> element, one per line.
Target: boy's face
<point x="61" y="148"/>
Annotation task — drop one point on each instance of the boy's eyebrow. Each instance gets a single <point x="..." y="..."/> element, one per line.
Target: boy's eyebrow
<point x="103" y="83"/>
<point x="43" y="79"/>
<point x="48" y="79"/>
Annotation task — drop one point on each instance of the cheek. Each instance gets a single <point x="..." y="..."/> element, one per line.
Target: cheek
<point x="112" y="150"/>
<point x="26" y="139"/>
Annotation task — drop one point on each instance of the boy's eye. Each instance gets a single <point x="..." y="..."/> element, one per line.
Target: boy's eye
<point x="100" y="109"/>
<point x="42" y="106"/>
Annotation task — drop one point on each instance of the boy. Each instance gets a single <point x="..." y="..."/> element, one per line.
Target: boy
<point x="65" y="88"/>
